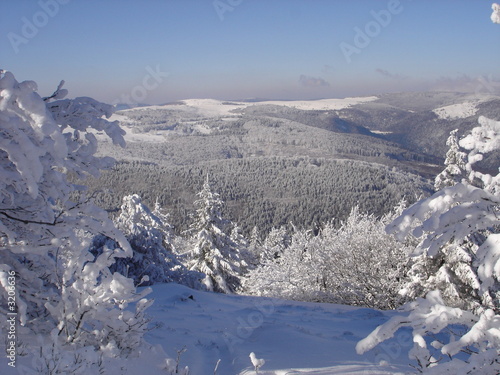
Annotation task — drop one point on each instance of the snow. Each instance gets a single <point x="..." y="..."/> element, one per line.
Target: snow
<point x="213" y="108"/>
<point x="123" y="119"/>
<point x="292" y="337"/>
<point x="495" y="16"/>
<point x="218" y="108"/>
<point x="457" y="111"/>
<point x="322" y="104"/>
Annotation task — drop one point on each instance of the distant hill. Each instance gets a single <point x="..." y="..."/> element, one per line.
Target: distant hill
<point x="279" y="161"/>
<point x="421" y="122"/>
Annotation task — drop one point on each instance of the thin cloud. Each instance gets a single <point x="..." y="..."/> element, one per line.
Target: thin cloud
<point x="308" y="81"/>
<point x="465" y="83"/>
<point x="327" y="69"/>
<point x="390" y="75"/>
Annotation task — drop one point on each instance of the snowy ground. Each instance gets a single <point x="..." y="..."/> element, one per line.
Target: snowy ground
<point x="292" y="337"/>
<point x="457" y="111"/>
<point x="218" y="108"/>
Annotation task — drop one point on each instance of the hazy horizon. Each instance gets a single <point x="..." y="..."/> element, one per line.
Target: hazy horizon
<point x="158" y="52"/>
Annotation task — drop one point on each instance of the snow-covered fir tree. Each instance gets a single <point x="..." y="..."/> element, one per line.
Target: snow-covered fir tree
<point x="214" y="253"/>
<point x="455" y="162"/>
<point x="452" y="225"/>
<point x="255" y="247"/>
<point x="242" y="244"/>
<point x="67" y="297"/>
<point x="166" y="228"/>
<point x="153" y="259"/>
<point x="275" y="243"/>
<point x="458" y="270"/>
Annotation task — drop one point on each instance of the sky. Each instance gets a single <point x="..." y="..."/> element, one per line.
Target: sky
<point x="158" y="51"/>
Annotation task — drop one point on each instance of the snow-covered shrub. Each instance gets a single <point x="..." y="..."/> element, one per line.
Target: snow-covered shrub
<point x="458" y="266"/>
<point x="172" y="366"/>
<point x="287" y="274"/>
<point x="367" y="266"/>
<point x="63" y="293"/>
<point x="356" y="264"/>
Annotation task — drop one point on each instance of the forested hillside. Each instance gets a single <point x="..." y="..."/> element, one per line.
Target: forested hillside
<point x="279" y="162"/>
<point x="272" y="163"/>
<point x="265" y="192"/>
<point x="421" y="122"/>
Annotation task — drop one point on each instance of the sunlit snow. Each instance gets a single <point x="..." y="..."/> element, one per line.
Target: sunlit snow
<point x="457" y="111"/>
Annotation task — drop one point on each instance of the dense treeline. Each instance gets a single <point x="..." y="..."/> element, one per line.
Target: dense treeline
<point x="263" y="192"/>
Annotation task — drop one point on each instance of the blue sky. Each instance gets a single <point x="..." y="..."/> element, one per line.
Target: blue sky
<point x="165" y="50"/>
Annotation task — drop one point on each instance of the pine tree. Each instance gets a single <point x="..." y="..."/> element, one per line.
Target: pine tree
<point x="455" y="164"/>
<point x="275" y="243"/>
<point x="214" y="253"/>
<point x="153" y="260"/>
<point x="255" y="247"/>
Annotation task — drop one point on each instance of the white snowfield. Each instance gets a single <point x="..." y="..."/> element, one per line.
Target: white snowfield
<point x="457" y="111"/>
<point x="292" y="337"/>
<point x="323" y="104"/>
<point x="219" y="108"/>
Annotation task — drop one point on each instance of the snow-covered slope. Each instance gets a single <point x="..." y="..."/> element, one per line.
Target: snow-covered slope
<point x="457" y="111"/>
<point x="464" y="106"/>
<point x="292" y="337"/>
<point x="322" y="104"/>
<point x="218" y="108"/>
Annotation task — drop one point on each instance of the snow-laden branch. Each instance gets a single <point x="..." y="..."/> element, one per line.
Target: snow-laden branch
<point x="45" y="237"/>
<point x="457" y="265"/>
<point x="495" y="16"/>
<point x="60" y="93"/>
<point x="450" y="214"/>
<point x="430" y="317"/>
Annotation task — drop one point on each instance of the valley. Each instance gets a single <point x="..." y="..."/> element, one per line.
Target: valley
<point x="281" y="162"/>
